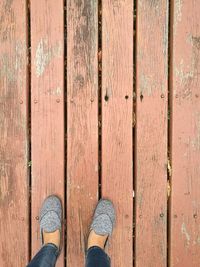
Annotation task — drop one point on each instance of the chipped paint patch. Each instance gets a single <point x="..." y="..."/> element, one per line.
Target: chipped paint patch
<point x="10" y="67"/>
<point x="140" y="199"/>
<point x="195" y="143"/>
<point x="44" y="55"/>
<point x="184" y="232"/>
<point x="182" y="75"/>
<point x="148" y="85"/>
<point x="7" y="71"/>
<point x="154" y="5"/>
<point x="55" y="91"/>
<point x="145" y="85"/>
<point x="185" y="78"/>
<point x="8" y="4"/>
<point x="20" y="55"/>
<point x="5" y="170"/>
<point x="165" y="43"/>
<point x="178" y="13"/>
<point x="196" y="42"/>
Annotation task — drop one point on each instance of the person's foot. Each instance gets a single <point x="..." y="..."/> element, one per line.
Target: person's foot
<point x="50" y="220"/>
<point x="53" y="238"/>
<point x="96" y="240"/>
<point x="102" y="224"/>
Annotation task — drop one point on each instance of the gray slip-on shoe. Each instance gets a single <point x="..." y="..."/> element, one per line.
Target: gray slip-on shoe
<point x="50" y="215"/>
<point x="104" y="218"/>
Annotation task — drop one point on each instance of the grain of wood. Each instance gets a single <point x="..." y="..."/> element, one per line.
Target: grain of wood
<point x="47" y="112"/>
<point x="117" y="87"/>
<point x="14" y="205"/>
<point x="151" y="133"/>
<point x="82" y="124"/>
<point x="185" y="135"/>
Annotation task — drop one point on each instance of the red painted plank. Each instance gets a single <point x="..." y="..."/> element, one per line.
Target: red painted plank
<point x="117" y="87"/>
<point x="185" y="135"/>
<point x="14" y="223"/>
<point x="47" y="102"/>
<point x="82" y="124"/>
<point x="151" y="133"/>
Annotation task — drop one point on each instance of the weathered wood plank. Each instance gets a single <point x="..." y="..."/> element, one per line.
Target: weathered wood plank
<point x="47" y="102"/>
<point x="14" y="223"/>
<point x="151" y="133"/>
<point x="82" y="124"/>
<point x="117" y="87"/>
<point x="185" y="135"/>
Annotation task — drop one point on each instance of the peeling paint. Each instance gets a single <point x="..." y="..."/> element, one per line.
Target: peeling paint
<point x="44" y="55"/>
<point x="184" y="232"/>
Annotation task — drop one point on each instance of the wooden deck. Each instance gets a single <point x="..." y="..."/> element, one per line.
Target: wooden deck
<point x="101" y="99"/>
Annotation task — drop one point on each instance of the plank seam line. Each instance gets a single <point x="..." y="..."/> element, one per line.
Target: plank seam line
<point x="169" y="134"/>
<point x="134" y="121"/>
<point x="99" y="97"/>
<point x="28" y="14"/>
<point x="65" y="130"/>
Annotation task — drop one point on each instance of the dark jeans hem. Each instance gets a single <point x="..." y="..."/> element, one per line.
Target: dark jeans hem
<point x="96" y="254"/>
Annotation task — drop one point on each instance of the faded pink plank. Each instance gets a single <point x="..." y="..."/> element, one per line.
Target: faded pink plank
<point x="14" y="205"/>
<point x="82" y="124"/>
<point x="47" y="102"/>
<point x="117" y="88"/>
<point x="151" y="134"/>
<point x="185" y="135"/>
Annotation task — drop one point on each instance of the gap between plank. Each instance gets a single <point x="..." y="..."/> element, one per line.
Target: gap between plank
<point x="65" y="132"/>
<point x="134" y="120"/>
<point x="99" y="96"/>
<point x="169" y="129"/>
